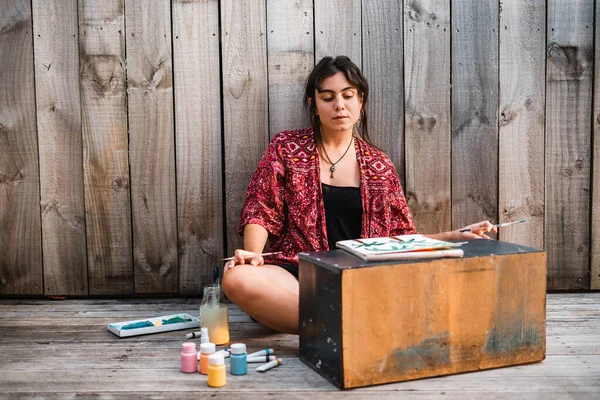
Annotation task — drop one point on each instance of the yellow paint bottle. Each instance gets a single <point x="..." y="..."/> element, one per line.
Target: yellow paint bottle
<point x="216" y="370"/>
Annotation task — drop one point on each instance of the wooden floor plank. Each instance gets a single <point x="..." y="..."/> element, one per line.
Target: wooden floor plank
<point x="356" y="394"/>
<point x="282" y="380"/>
<point x="151" y="360"/>
<point x="62" y="349"/>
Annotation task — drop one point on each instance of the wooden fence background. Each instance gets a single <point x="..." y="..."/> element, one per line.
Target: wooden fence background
<point x="129" y="129"/>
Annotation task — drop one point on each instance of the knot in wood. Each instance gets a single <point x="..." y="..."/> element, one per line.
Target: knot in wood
<point x="528" y="103"/>
<point x="507" y="116"/>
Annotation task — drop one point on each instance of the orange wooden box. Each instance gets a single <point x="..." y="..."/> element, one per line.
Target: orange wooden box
<point x="366" y="323"/>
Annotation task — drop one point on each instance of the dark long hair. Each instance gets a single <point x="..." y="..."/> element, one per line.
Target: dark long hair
<point x="329" y="66"/>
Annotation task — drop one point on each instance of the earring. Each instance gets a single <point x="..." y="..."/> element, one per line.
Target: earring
<point x="359" y="120"/>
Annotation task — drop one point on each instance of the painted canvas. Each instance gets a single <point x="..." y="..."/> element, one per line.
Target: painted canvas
<point x="402" y="247"/>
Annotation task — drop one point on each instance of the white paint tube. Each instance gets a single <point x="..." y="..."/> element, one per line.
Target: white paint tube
<point x="264" y="352"/>
<point x="262" y="359"/>
<point x="269" y="365"/>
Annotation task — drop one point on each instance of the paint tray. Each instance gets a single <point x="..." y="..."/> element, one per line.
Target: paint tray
<point x="155" y="325"/>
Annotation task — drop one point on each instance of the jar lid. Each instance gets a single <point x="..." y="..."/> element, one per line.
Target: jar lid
<point x="216" y="358"/>
<point x="238" y="348"/>
<point x="188" y="348"/>
<point x="207" y="348"/>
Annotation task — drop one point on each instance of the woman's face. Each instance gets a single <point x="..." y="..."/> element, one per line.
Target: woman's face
<point x="338" y="104"/>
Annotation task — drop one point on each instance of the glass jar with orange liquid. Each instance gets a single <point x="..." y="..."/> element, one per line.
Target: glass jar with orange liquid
<point x="214" y="315"/>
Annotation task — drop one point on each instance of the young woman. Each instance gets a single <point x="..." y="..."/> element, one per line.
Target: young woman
<point x="314" y="187"/>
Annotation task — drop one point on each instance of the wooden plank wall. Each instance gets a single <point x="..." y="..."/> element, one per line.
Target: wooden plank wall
<point x="59" y="128"/>
<point x="196" y="69"/>
<point x="20" y="220"/>
<point x="568" y="142"/>
<point x="338" y="29"/>
<point x="595" y="259"/>
<point x="151" y="137"/>
<point x="245" y="102"/>
<point x="427" y="113"/>
<point x="383" y="66"/>
<point x="290" y="40"/>
<point x="105" y="146"/>
<point x="474" y="111"/>
<point x="129" y="129"/>
<point x="521" y="120"/>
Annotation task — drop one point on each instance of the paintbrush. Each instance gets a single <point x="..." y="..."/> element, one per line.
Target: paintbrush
<point x="216" y="275"/>
<point x="497" y="225"/>
<point x="253" y="255"/>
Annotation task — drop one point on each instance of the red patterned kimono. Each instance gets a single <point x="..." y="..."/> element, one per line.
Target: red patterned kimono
<point x="285" y="196"/>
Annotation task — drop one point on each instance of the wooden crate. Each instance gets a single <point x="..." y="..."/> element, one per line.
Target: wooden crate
<point x="366" y="323"/>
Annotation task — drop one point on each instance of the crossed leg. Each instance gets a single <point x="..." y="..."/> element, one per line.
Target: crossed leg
<point x="267" y="293"/>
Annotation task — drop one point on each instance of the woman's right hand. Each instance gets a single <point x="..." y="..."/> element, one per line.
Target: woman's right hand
<point x="242" y="257"/>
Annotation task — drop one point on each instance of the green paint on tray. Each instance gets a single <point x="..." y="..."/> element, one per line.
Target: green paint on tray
<point x="137" y="325"/>
<point x="145" y="324"/>
<point x="175" y="320"/>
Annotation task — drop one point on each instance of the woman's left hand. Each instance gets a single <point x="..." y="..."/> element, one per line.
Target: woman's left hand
<point x="240" y="258"/>
<point x="477" y="230"/>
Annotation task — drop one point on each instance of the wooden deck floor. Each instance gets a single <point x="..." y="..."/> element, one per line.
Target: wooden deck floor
<point x="62" y="349"/>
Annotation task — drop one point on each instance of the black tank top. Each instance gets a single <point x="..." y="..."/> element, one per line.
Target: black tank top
<point x="343" y="213"/>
